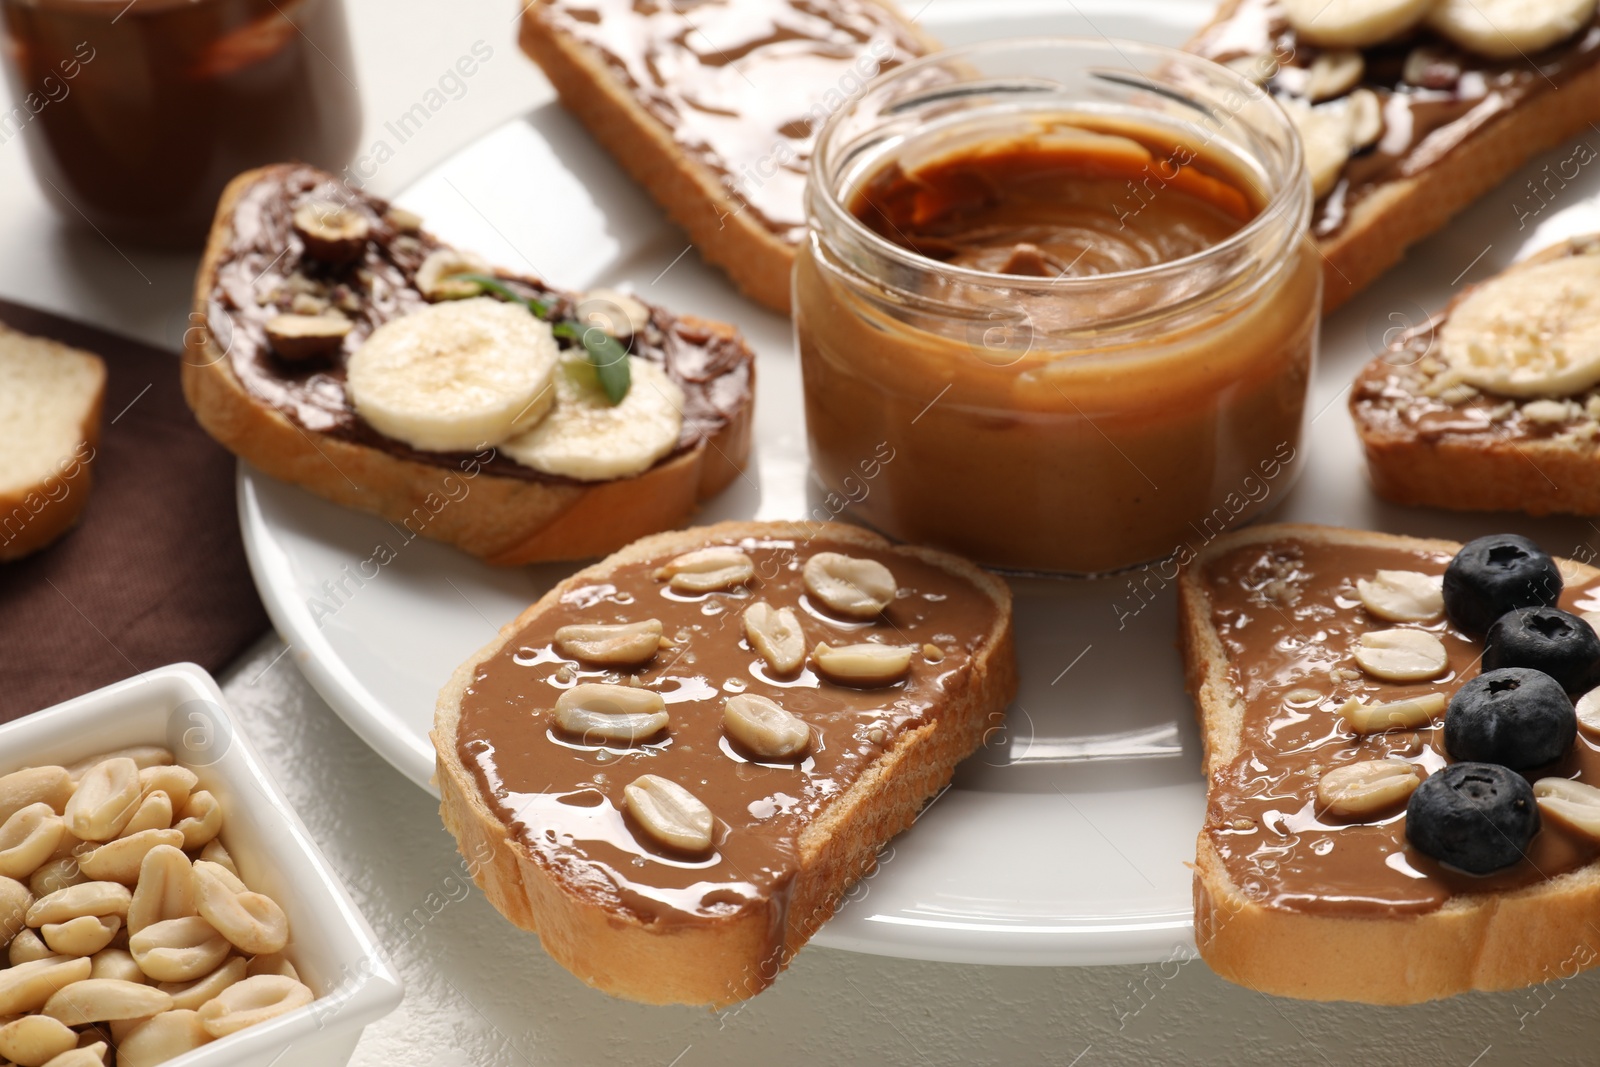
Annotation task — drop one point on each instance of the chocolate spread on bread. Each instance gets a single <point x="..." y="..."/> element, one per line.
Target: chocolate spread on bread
<point x="563" y="800"/>
<point x="1422" y="123"/>
<point x="264" y="270"/>
<point x="1288" y="614"/>
<point x="1409" y="388"/>
<point x="742" y="86"/>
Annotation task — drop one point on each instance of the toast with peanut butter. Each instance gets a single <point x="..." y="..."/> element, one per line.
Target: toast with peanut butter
<point x="714" y="107"/>
<point x="1494" y="404"/>
<point x="1411" y="109"/>
<point x="342" y="347"/>
<point x="1393" y="762"/>
<point x="674" y="764"/>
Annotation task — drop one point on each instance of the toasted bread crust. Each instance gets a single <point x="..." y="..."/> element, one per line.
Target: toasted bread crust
<point x="505" y="521"/>
<point x="756" y="260"/>
<point x="1388" y="221"/>
<point x="719" y="961"/>
<point x="1478" y="472"/>
<point x="1484" y="941"/>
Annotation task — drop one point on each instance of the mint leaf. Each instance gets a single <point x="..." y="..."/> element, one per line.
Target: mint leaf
<point x="606" y="354"/>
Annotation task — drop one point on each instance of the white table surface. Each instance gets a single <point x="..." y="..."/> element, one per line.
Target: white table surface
<point x="479" y="992"/>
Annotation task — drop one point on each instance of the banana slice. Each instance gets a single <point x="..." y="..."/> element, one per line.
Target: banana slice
<point x="1533" y="331"/>
<point x="1509" y="29"/>
<point x="1356" y="23"/>
<point x="587" y="437"/>
<point x="1325" y="133"/>
<point x="455" y="377"/>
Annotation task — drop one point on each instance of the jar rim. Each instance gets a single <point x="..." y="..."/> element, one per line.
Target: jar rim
<point x="1294" y="186"/>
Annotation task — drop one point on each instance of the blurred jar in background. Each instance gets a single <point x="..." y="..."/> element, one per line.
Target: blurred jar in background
<point x="135" y="113"/>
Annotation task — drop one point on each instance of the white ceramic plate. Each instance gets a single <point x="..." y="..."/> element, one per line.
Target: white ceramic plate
<point x="1065" y="840"/>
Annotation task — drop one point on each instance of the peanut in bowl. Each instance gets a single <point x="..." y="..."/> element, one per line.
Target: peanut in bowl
<point x="160" y="902"/>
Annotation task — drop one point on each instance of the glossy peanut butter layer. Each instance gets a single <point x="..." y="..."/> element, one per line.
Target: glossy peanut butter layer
<point x="1054" y="205"/>
<point x="265" y="267"/>
<point x="742" y="86"/>
<point x="563" y="800"/>
<point x="1410" y="389"/>
<point x="1422" y="124"/>
<point x="1288" y="614"/>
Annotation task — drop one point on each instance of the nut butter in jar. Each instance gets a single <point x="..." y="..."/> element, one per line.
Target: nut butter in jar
<point x="1064" y="286"/>
<point x="136" y="113"/>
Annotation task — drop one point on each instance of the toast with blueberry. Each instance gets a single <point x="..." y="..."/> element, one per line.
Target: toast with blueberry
<point x="1399" y="804"/>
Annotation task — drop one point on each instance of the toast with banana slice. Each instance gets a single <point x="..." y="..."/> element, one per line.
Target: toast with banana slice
<point x="1494" y="404"/>
<point x="1411" y="109"/>
<point x="713" y="107"/>
<point x="674" y="764"/>
<point x="1396" y="804"/>
<point x="342" y="347"/>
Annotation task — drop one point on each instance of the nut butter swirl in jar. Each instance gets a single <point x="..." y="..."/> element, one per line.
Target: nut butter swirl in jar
<point x="1056" y="310"/>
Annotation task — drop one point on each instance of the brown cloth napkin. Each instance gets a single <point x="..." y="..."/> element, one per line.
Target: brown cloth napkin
<point x="155" y="571"/>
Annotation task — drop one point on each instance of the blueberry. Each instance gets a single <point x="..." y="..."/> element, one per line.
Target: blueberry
<point x="1478" y="817"/>
<point x="1547" y="639"/>
<point x="1494" y="574"/>
<point x="1516" y="717"/>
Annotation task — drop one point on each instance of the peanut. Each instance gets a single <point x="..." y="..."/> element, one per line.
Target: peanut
<point x="627" y="644"/>
<point x="669" y="813"/>
<point x="95" y="1000"/>
<point x="153" y="813"/>
<point x="106" y="798"/>
<point x="252" y="1001"/>
<point x="35" y="1040"/>
<point x="28" y="839"/>
<point x="200" y="820"/>
<point x="179" y="950"/>
<point x="83" y="936"/>
<point x="191" y="995"/>
<point x="1366" y="787"/>
<point x="161" y="1038"/>
<point x="863" y="666"/>
<point x="708" y="570"/>
<point x="1402" y="655"/>
<point x="762" y="727"/>
<point x="91" y="898"/>
<point x="852" y="587"/>
<point x="26" y="987"/>
<point x="36" y="785"/>
<point x="776" y="635"/>
<point x="597" y="713"/>
<point x="252" y="922"/>
<point x="166" y="889"/>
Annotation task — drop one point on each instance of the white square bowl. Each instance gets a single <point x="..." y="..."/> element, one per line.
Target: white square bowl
<point x="333" y="948"/>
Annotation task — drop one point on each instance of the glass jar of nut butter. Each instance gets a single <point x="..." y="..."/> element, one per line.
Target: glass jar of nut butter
<point x="136" y="113"/>
<point x="1064" y="285"/>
